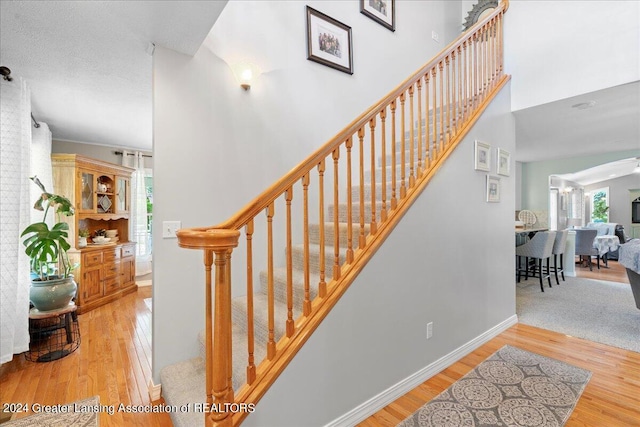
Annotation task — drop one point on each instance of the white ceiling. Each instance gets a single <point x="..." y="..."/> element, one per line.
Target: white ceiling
<point x="605" y="172"/>
<point x="89" y="70"/>
<point x="87" y="62"/>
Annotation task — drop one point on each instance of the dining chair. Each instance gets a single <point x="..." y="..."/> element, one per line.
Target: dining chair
<point x="558" y="250"/>
<point x="584" y="245"/>
<point x="539" y="248"/>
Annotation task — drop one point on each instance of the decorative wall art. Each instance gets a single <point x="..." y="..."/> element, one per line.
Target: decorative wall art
<point x="503" y="162"/>
<point x="329" y="41"/>
<point x="493" y="188"/>
<point x="483" y="156"/>
<point x="381" y="11"/>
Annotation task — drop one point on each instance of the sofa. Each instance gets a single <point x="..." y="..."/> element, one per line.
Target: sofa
<point x="630" y="259"/>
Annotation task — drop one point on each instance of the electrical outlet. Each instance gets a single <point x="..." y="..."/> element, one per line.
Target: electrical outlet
<point x="429" y="330"/>
<point x="435" y="36"/>
<point x="169" y="229"/>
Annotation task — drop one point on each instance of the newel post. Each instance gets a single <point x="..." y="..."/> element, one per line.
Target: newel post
<point x="217" y="245"/>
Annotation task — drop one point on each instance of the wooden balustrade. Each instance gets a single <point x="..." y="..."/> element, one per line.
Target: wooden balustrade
<point x="437" y="106"/>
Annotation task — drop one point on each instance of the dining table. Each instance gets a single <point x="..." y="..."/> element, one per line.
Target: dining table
<point x="604" y="244"/>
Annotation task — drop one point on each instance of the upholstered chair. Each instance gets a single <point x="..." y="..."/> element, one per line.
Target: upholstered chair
<point x="538" y="249"/>
<point x="584" y="245"/>
<point x="558" y="251"/>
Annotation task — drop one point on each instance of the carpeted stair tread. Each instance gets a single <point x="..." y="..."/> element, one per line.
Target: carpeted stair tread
<point x="355" y="191"/>
<point x="260" y="317"/>
<point x="355" y="212"/>
<point x="314" y="233"/>
<point x="184" y="383"/>
<point x="280" y="285"/>
<point x="297" y="252"/>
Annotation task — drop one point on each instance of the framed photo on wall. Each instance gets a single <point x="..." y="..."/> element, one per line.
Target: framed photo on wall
<point x="503" y="162"/>
<point x="329" y="41"/>
<point x="381" y="11"/>
<point x="493" y="188"/>
<point x="482" y="156"/>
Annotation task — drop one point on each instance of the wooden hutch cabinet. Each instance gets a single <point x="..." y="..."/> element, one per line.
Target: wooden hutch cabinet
<point x="100" y="192"/>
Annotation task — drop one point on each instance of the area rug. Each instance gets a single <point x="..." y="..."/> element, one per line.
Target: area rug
<point x="513" y="387"/>
<point x="148" y="302"/>
<point x="595" y="310"/>
<point x="83" y="413"/>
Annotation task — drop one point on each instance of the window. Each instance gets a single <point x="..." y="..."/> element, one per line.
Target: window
<point x="600" y="205"/>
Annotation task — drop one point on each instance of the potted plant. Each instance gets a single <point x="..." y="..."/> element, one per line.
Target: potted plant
<point x="83" y="234"/>
<point x="52" y="284"/>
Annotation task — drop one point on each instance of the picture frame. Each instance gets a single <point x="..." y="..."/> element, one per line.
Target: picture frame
<point x="493" y="189"/>
<point x="503" y="162"/>
<point x="482" y="156"/>
<point x="381" y="11"/>
<point x="329" y="41"/>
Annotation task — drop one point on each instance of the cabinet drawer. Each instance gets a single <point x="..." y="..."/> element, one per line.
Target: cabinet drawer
<point x="128" y="251"/>
<point x="111" y="255"/>
<point x="111" y="270"/>
<point x="92" y="258"/>
<point x="111" y="284"/>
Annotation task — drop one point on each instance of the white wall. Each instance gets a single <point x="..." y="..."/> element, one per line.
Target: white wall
<point x="101" y="152"/>
<point x="216" y="146"/>
<point x="619" y="198"/>
<point x="546" y="41"/>
<point x="449" y="261"/>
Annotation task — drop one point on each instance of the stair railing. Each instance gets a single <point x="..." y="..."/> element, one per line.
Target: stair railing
<point x="413" y="129"/>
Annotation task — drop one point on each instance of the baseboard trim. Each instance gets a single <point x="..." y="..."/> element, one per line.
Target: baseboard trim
<point x="373" y="405"/>
<point x="155" y="391"/>
<point x="142" y="283"/>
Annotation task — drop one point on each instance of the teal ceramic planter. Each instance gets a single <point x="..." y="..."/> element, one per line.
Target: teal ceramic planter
<point x="53" y="294"/>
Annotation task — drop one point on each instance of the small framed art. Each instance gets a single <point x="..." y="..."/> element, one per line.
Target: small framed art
<point x="381" y="11"/>
<point x="482" y="156"/>
<point x="493" y="188"/>
<point x="503" y="162"/>
<point x="329" y="41"/>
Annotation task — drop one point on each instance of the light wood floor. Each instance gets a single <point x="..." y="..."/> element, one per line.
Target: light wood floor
<point x="114" y="361"/>
<point x="613" y="273"/>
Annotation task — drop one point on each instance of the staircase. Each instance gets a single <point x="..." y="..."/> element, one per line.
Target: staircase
<point x="332" y="212"/>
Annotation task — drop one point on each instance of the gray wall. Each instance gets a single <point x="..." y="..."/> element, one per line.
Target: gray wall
<point x="619" y="198"/>
<point x="535" y="175"/>
<point x="449" y="261"/>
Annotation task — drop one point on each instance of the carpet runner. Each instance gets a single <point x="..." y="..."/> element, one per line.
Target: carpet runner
<point x="513" y="387"/>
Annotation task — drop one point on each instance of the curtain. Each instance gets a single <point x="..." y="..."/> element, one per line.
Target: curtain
<point x="138" y="231"/>
<point x="15" y="211"/>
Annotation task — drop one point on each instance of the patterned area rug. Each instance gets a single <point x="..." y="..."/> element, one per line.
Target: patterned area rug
<point x="83" y="413"/>
<point x="513" y="387"/>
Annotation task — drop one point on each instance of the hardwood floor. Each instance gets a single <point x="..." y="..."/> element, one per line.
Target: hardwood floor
<point x="113" y="361"/>
<point x="614" y="273"/>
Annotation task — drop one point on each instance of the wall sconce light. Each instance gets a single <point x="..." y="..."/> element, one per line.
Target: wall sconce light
<point x="245" y="73"/>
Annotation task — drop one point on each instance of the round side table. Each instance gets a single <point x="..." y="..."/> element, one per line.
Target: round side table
<point x="54" y="334"/>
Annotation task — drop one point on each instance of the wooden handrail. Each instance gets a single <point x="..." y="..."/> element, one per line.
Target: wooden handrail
<point x="454" y="88"/>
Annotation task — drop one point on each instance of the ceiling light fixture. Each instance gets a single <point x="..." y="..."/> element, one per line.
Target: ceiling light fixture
<point x="584" y="105"/>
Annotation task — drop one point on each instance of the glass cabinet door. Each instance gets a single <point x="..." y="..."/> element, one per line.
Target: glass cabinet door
<point x="87" y="200"/>
<point x="122" y="189"/>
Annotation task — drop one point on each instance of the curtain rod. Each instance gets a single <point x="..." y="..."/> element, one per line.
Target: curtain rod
<point x="35" y="124"/>
<point x="120" y="153"/>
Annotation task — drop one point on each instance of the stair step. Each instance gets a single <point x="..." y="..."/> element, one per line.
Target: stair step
<point x="280" y="285"/>
<point x="314" y="233"/>
<point x="355" y="212"/>
<point x="297" y="252"/>
<point x="184" y="383"/>
<point x="378" y="171"/>
<point x="355" y="191"/>
<point x="407" y="155"/>
<point x="261" y="321"/>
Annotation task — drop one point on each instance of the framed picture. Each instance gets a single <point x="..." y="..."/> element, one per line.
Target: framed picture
<point x="381" y="11"/>
<point x="483" y="156"/>
<point x="493" y="188"/>
<point x="503" y="162"/>
<point x="329" y="41"/>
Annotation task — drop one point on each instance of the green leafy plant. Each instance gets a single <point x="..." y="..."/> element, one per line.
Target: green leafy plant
<point x="83" y="232"/>
<point x="47" y="248"/>
<point x="600" y="208"/>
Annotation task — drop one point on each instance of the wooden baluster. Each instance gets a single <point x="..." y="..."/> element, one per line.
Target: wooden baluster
<point x="229" y="345"/>
<point x="412" y="123"/>
<point x="383" y="212"/>
<point x="459" y="105"/>
<point x="427" y="145"/>
<point x="394" y="200"/>
<point x="372" y="129"/>
<point x="419" y="149"/>
<point x="447" y="92"/>
<point x="501" y="43"/>
<point x="362" y="239"/>
<point x="473" y="73"/>
<point x="454" y="93"/>
<point x="336" y="223"/>
<point x="322" y="285"/>
<point x="271" y="344"/>
<point x="484" y="61"/>
<point x="220" y="325"/>
<point x="442" y="113"/>
<point x="492" y="51"/>
<point x="349" y="145"/>
<point x="251" y="367"/>
<point x="435" y="115"/>
<point x="306" y="307"/>
<point x="403" y="188"/>
<point x="290" y="326"/>
<point x="208" y="262"/>
<point x="465" y="85"/>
